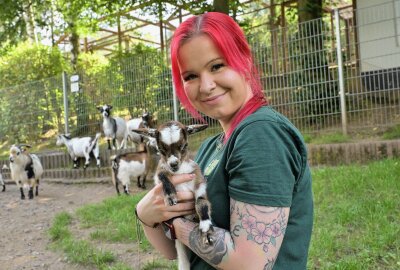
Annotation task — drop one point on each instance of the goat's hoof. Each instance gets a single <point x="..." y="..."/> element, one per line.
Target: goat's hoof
<point x="22" y="197"/>
<point x="143" y="187"/>
<point x="171" y="199"/>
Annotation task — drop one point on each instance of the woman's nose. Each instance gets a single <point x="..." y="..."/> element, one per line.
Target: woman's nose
<point x="207" y="84"/>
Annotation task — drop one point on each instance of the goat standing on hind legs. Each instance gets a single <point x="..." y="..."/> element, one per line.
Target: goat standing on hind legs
<point x="172" y="142"/>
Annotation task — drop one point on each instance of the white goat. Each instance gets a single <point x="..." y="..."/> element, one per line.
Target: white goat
<point x="146" y="121"/>
<point x="172" y="144"/>
<point x="26" y="169"/>
<point x="114" y="128"/>
<point x="81" y="147"/>
<point x="136" y="164"/>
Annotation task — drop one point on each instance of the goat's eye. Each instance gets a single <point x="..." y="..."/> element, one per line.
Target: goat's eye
<point x="17" y="153"/>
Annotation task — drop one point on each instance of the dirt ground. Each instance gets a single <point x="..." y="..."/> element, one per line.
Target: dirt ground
<point x="24" y="224"/>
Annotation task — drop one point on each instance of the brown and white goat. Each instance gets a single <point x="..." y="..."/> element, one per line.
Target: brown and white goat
<point x="172" y="142"/>
<point x="134" y="164"/>
<point x="26" y="169"/>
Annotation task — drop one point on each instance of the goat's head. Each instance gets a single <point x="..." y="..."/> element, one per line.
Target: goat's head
<point x="17" y="150"/>
<point x="172" y="142"/>
<point x="148" y="120"/>
<point x="61" y="138"/>
<point x="105" y="110"/>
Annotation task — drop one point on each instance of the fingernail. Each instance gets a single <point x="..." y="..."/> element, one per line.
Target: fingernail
<point x="192" y="175"/>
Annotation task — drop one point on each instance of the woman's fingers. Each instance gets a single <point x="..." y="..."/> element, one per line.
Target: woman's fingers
<point x="185" y="196"/>
<point x="182" y="178"/>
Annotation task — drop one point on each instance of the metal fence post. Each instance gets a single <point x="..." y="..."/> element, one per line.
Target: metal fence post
<point x="65" y="98"/>
<point x="342" y="93"/>
<point x="175" y="103"/>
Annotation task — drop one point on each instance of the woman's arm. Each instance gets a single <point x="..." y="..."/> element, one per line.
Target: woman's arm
<point x="151" y="210"/>
<point x="253" y="242"/>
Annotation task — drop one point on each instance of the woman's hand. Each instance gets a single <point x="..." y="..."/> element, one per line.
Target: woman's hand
<point x="151" y="209"/>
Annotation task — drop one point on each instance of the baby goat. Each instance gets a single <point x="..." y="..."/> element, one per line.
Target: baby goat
<point x="81" y="147"/>
<point x="172" y="144"/>
<point x="114" y="128"/>
<point x="136" y="164"/>
<point x="26" y="169"/>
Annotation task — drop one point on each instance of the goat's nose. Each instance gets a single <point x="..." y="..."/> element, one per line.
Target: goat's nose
<point x="174" y="166"/>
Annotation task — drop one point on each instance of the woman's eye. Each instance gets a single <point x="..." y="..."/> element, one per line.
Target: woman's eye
<point x="189" y="77"/>
<point x="216" y="67"/>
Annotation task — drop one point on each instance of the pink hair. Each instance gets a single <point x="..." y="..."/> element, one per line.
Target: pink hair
<point x="230" y="40"/>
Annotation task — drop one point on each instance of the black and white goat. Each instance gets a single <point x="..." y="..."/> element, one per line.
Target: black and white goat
<point x="172" y="142"/>
<point x="114" y="128"/>
<point x="134" y="164"/>
<point x="145" y="121"/>
<point x="81" y="147"/>
<point x="26" y="169"/>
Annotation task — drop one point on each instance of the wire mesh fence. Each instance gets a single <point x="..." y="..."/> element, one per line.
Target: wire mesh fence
<point x="303" y="69"/>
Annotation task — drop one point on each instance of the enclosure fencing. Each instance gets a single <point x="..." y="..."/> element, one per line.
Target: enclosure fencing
<point x="334" y="74"/>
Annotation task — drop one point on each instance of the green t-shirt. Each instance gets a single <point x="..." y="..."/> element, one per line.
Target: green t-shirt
<point x="264" y="162"/>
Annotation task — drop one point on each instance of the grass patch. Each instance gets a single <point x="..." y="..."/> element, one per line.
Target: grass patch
<point x="79" y="251"/>
<point x="357" y="209"/>
<point x="327" y="138"/>
<point x="392" y="133"/>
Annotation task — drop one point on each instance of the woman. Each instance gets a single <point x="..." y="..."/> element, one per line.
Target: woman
<point x="258" y="179"/>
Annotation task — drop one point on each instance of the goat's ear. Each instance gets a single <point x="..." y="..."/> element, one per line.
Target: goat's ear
<point x="191" y="129"/>
<point x="109" y="106"/>
<point x="100" y="108"/>
<point x="151" y="132"/>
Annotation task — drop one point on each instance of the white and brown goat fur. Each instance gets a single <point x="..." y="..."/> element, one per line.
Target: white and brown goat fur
<point x="134" y="165"/>
<point x="26" y="169"/>
<point x="114" y="128"/>
<point x="172" y="142"/>
<point x="81" y="147"/>
<point x="145" y="121"/>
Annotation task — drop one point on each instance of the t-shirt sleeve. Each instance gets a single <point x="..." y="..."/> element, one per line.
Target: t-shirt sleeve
<point x="263" y="164"/>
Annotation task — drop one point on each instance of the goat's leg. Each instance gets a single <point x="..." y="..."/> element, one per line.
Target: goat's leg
<point x="96" y="155"/>
<point x="4" y="188"/>
<point x="37" y="187"/>
<point x="144" y="182"/>
<point x="126" y="190"/>
<point x="21" y="189"/>
<point x="203" y="210"/>
<point x="114" y="143"/>
<point x="116" y="187"/>
<point x="87" y="160"/>
<point x="30" y="192"/>
<point x="138" y="182"/>
<point x="109" y="144"/>
<point x="170" y="197"/>
<point x="76" y="162"/>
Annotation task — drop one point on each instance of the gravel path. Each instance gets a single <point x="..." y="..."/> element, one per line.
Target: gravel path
<point x="24" y="223"/>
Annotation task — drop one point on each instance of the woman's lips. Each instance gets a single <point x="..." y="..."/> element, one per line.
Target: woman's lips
<point x="213" y="99"/>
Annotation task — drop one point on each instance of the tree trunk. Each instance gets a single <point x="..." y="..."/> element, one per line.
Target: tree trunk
<point x="30" y="25"/>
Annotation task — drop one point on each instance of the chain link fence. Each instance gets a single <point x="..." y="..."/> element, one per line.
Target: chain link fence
<point x="335" y="74"/>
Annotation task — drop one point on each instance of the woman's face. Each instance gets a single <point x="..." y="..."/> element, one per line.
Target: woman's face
<point x="212" y="87"/>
